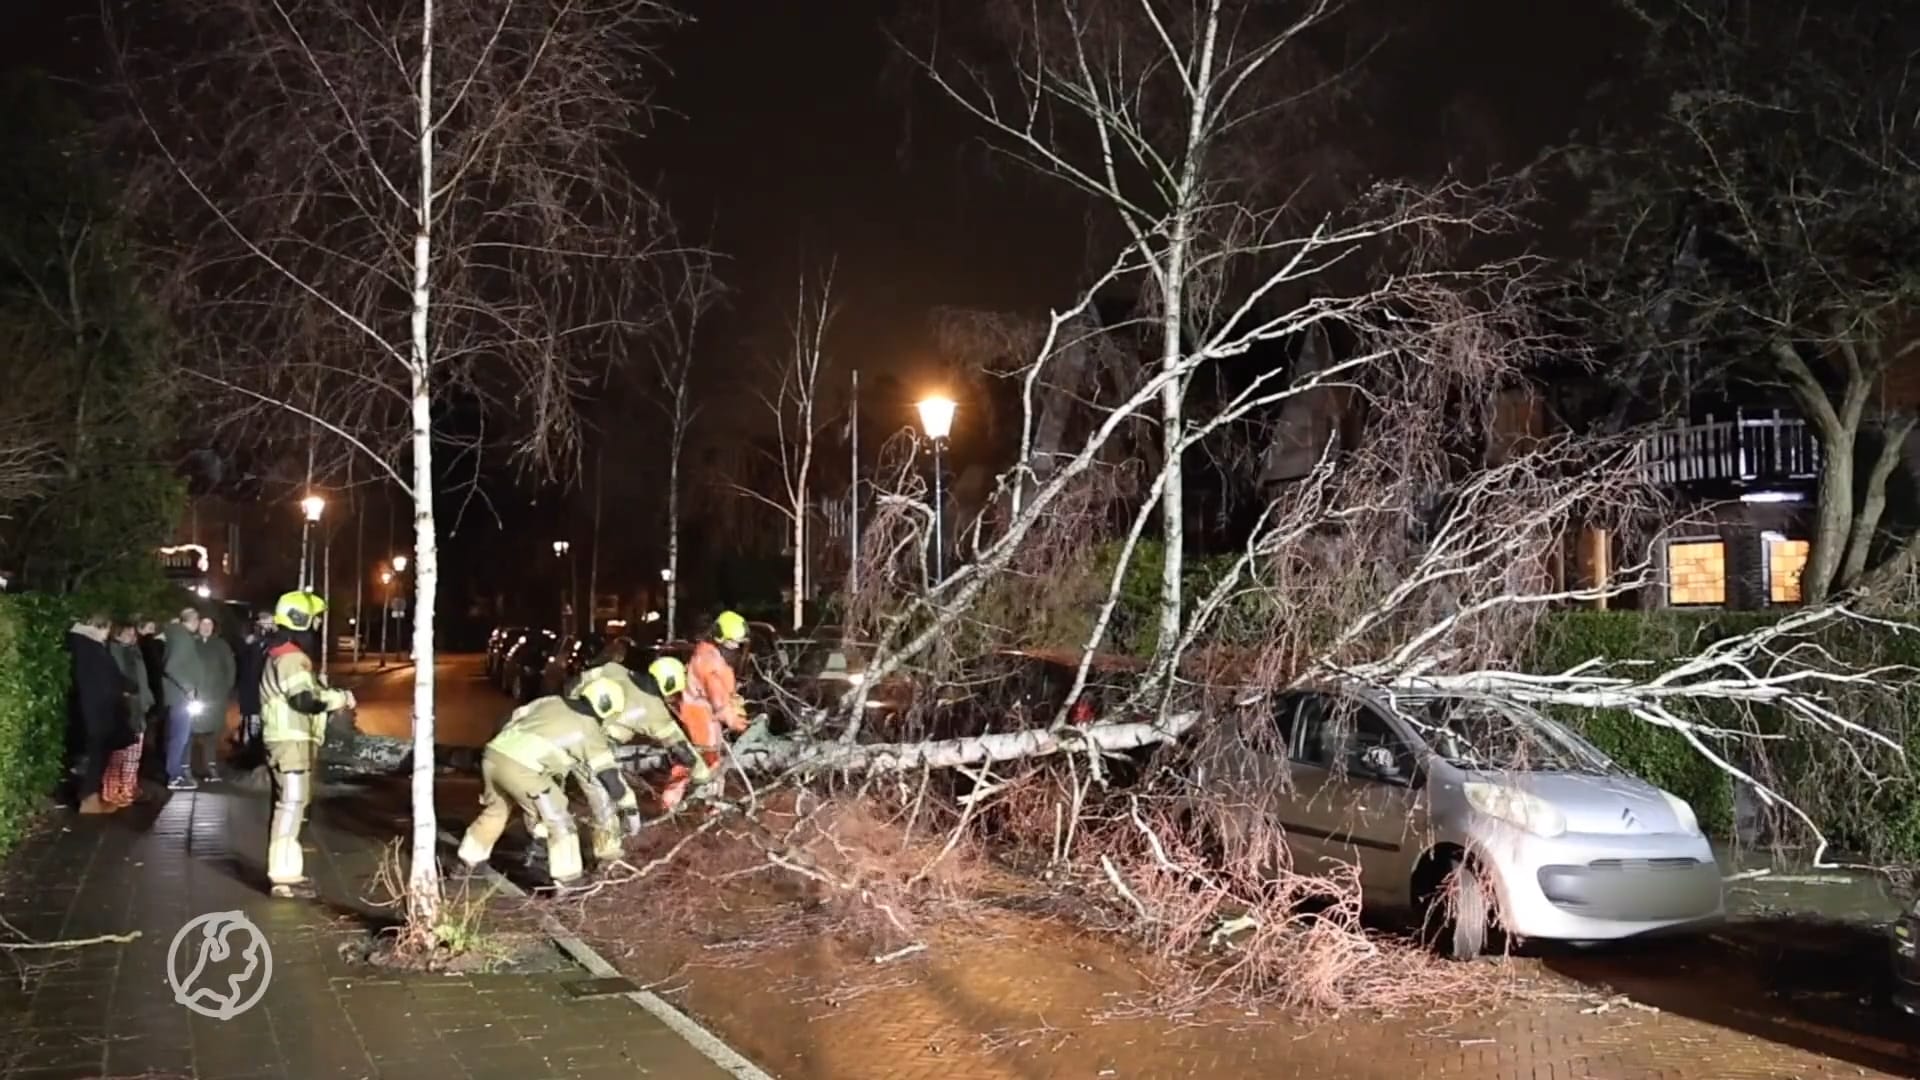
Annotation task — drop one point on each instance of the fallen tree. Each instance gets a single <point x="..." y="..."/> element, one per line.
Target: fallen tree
<point x="1418" y="552"/>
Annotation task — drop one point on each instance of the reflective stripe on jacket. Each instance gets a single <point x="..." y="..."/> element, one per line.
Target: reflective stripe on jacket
<point x="289" y="673"/>
<point x="550" y="738"/>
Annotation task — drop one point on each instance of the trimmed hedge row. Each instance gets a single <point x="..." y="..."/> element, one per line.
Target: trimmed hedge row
<point x="34" y="674"/>
<point x="1879" y="820"/>
<point x="34" y="677"/>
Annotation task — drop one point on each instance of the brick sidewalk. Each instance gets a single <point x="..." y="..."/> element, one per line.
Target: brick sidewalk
<point x="108" y="1010"/>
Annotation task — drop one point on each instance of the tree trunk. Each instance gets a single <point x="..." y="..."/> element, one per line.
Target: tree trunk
<point x="593" y="567"/>
<point x="1832" y="521"/>
<point x="1873" y="504"/>
<point x="673" y="537"/>
<point x="423" y="893"/>
<point x="1172" y="506"/>
<point x="778" y="755"/>
<point x="800" y="543"/>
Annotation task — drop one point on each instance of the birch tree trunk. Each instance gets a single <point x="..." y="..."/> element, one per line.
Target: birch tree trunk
<point x="673" y="539"/>
<point x="423" y="897"/>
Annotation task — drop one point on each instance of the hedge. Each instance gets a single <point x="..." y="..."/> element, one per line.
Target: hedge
<point x="35" y="673"/>
<point x="1872" y="819"/>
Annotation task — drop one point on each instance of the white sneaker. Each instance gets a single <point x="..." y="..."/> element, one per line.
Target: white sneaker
<point x="182" y="783"/>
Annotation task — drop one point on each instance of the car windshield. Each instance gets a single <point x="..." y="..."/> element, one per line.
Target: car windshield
<point x="1484" y="736"/>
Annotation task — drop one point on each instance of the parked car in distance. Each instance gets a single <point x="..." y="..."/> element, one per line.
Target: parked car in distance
<point x="1538" y="832"/>
<point x="523" y="668"/>
<point x="498" y="642"/>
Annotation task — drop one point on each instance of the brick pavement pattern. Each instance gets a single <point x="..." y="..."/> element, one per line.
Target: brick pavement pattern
<point x="1016" y="998"/>
<point x="108" y="1010"/>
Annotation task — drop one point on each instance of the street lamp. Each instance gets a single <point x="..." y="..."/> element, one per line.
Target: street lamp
<point x="386" y="607"/>
<point x="560" y="550"/>
<point x="311" y="507"/>
<point x="399" y="564"/>
<point x="936" y="418"/>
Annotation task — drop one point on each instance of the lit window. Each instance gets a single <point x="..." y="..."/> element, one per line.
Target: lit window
<point x="1696" y="573"/>
<point x="1786" y="559"/>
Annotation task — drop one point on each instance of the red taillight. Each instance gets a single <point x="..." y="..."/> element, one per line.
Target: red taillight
<point x="1082" y="712"/>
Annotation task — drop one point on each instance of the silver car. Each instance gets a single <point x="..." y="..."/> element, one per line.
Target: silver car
<point x="1526" y="826"/>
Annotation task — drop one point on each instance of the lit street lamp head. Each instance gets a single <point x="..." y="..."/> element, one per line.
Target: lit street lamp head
<point x="936" y="416"/>
<point x="399" y="564"/>
<point x="386" y="577"/>
<point x="313" y="505"/>
<point x="561" y="547"/>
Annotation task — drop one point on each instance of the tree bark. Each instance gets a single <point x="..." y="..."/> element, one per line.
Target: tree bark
<point x="423" y="894"/>
<point x="673" y="536"/>
<point x="1873" y="503"/>
<point x="780" y="755"/>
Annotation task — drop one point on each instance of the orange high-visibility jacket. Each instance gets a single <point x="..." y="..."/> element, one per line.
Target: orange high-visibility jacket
<point x="710" y="682"/>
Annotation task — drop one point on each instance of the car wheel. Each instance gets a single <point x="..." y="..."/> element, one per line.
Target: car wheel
<point x="1469" y="927"/>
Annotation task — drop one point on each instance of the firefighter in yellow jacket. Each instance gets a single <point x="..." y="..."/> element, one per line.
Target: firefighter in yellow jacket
<point x="647" y="715"/>
<point x="294" y="706"/>
<point x="528" y="763"/>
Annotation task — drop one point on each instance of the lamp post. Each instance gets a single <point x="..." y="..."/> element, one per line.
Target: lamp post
<point x="312" y="507"/>
<point x="386" y="613"/>
<point x="388" y="578"/>
<point x="561" y="550"/>
<point x="936" y="418"/>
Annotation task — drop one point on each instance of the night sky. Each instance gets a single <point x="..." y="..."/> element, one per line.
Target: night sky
<point x="789" y="134"/>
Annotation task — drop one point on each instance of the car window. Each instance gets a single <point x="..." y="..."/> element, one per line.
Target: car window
<point x="1348" y="738"/>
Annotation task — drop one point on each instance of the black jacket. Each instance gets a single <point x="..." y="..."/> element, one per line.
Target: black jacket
<point x="253" y="664"/>
<point x="97" y="686"/>
<point x="153" y="649"/>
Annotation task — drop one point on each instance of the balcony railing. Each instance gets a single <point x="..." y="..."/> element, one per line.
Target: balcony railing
<point x="1745" y="449"/>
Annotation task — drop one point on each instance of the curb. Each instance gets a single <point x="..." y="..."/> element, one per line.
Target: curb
<point x="709" y="1044"/>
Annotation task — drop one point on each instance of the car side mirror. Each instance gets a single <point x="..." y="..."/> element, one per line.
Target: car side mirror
<point x="1379" y="761"/>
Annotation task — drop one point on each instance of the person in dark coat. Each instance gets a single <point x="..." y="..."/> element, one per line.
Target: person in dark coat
<point x="98" y="699"/>
<point x="250" y="752"/>
<point x="153" y="652"/>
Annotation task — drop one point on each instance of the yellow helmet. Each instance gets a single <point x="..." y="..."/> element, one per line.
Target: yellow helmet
<point x="669" y="674"/>
<point x="297" y="610"/>
<point x="732" y="628"/>
<point x="604" y="696"/>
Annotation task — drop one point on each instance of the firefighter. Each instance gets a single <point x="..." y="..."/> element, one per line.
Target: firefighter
<point x="647" y="715"/>
<point x="711" y="699"/>
<point x="294" y="706"/>
<point x="528" y="763"/>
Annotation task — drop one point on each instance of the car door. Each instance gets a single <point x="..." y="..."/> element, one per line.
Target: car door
<point x="1355" y="783"/>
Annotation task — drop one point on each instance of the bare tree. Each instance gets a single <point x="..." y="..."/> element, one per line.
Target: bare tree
<point x="397" y="224"/>
<point x="796" y="407"/>
<point x="686" y="289"/>
<point x="1747" y="240"/>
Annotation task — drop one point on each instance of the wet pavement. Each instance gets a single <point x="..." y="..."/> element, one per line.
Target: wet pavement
<point x="1008" y="996"/>
<point x="109" y="1009"/>
<point x="467" y="709"/>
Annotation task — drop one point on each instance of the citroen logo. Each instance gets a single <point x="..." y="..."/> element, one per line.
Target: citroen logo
<point x="1627" y="818"/>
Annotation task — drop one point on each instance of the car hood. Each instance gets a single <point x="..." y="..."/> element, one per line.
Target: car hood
<point x="1596" y="805"/>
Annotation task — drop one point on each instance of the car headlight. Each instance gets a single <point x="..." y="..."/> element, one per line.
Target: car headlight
<point x="856" y="678"/>
<point x="1689" y="821"/>
<point x="1517" y="808"/>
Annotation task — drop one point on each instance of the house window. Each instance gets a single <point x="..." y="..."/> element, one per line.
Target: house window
<point x="1696" y="573"/>
<point x="1786" y="559"/>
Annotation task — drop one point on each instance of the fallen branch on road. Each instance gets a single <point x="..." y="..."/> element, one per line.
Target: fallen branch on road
<point x="70" y="943"/>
